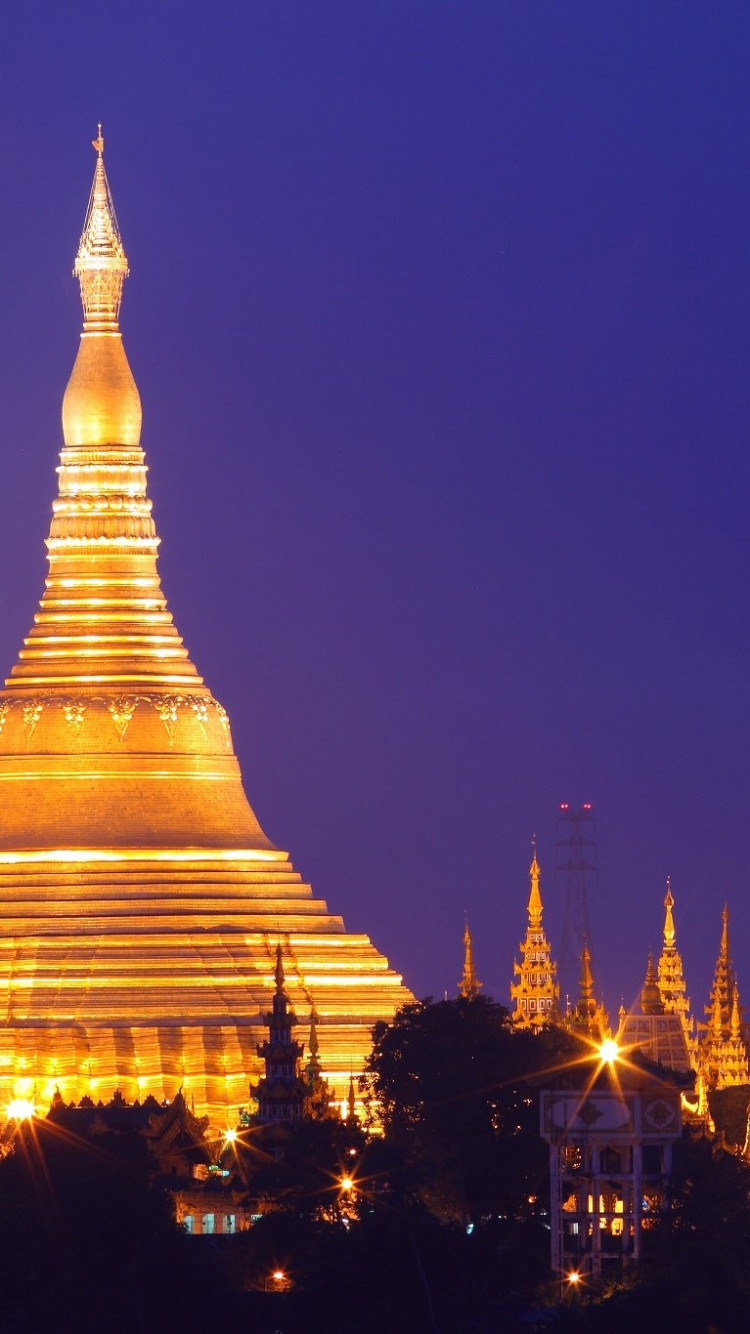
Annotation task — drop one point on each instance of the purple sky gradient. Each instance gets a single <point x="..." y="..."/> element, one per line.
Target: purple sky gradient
<point x="439" y="314"/>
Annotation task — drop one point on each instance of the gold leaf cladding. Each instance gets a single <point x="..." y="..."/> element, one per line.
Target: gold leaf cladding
<point x="73" y="713"/>
<point x="121" y="711"/>
<point x="32" y="712"/>
<point x="4" y="711"/>
<point x="200" y="709"/>
<point x="167" y="710"/>
<point x="224" y="720"/>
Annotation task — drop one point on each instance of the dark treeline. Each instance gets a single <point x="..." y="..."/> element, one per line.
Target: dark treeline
<point x="437" y="1224"/>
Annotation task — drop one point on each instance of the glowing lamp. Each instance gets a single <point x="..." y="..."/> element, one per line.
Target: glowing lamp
<point x="609" y="1050"/>
<point x="230" y="1136"/>
<point x="19" y="1109"/>
<point x="278" y="1276"/>
<point x="574" y="1277"/>
<point x="347" y="1184"/>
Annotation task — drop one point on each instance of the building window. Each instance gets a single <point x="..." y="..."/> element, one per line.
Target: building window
<point x="230" y="1223"/>
<point x="651" y="1160"/>
<point x="189" y="1224"/>
<point x="208" y="1223"/>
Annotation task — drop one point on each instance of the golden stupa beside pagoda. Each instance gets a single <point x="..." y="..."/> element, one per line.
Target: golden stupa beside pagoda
<point x="142" y="903"/>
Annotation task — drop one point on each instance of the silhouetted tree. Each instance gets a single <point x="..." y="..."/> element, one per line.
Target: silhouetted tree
<point x="453" y="1083"/>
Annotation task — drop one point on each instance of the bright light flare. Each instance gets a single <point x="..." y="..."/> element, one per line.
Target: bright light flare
<point x="278" y="1276"/>
<point x="230" y="1136"/>
<point x="20" y="1109"/>
<point x="609" y="1050"/>
<point x="347" y="1184"/>
<point x="574" y="1277"/>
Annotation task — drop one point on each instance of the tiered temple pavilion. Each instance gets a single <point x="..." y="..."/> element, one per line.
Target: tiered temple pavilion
<point x="142" y="903"/>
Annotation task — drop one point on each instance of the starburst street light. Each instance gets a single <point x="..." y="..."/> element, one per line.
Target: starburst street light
<point x="19" y="1109"/>
<point x="609" y="1050"/>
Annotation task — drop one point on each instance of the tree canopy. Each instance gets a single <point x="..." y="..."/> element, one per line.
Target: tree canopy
<point x="454" y="1086"/>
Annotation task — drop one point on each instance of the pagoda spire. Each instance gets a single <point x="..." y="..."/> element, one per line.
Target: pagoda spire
<point x="722" y="1053"/>
<point x="103" y="671"/>
<point x="535" y="994"/>
<point x="535" y="908"/>
<point x="101" y="265"/>
<point x="651" y="1001"/>
<point x="586" y="982"/>
<point x="669" y="931"/>
<point x="671" y="976"/>
<point x="278" y="972"/>
<point x="318" y="1097"/>
<point x="588" y="1015"/>
<point x="470" y="986"/>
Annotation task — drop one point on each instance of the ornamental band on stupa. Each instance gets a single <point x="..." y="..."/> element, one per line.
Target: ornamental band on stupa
<point x="142" y="903"/>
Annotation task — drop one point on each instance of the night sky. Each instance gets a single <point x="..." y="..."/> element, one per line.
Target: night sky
<point x="439" y="315"/>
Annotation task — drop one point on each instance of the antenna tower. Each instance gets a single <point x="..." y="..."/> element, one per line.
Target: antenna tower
<point x="575" y="873"/>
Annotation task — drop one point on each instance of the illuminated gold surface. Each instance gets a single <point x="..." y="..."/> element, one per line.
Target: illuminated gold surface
<point x="535" y="992"/>
<point x="142" y="901"/>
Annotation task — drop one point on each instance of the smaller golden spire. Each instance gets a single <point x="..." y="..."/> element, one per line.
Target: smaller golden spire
<point x="588" y="1016"/>
<point x="351" y="1099"/>
<point x="669" y="931"/>
<point x="586" y="1000"/>
<point x="651" y="1001"/>
<point x="469" y="986"/>
<point x="535" y="898"/>
<point x="279" y="969"/>
<point x="724" y="947"/>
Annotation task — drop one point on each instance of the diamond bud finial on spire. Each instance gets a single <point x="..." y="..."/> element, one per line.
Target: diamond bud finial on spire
<point x="101" y="265"/>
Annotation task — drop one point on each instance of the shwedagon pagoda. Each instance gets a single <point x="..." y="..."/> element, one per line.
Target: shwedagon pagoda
<point x="142" y="903"/>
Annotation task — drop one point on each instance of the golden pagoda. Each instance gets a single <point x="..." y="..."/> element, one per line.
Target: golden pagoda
<point x="722" y="1056"/>
<point x="535" y="995"/>
<point x="142" y="901"/>
<point x="588" y="1015"/>
<point x="671" y="976"/>
<point x="653" y="1029"/>
<point x="469" y="987"/>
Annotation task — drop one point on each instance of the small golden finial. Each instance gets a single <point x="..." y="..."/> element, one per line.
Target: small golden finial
<point x="98" y="142"/>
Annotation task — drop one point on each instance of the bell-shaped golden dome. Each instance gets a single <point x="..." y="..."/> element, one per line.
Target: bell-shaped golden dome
<point x="102" y="405"/>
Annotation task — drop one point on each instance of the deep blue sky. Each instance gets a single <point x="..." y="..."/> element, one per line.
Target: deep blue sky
<point x="439" y="314"/>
